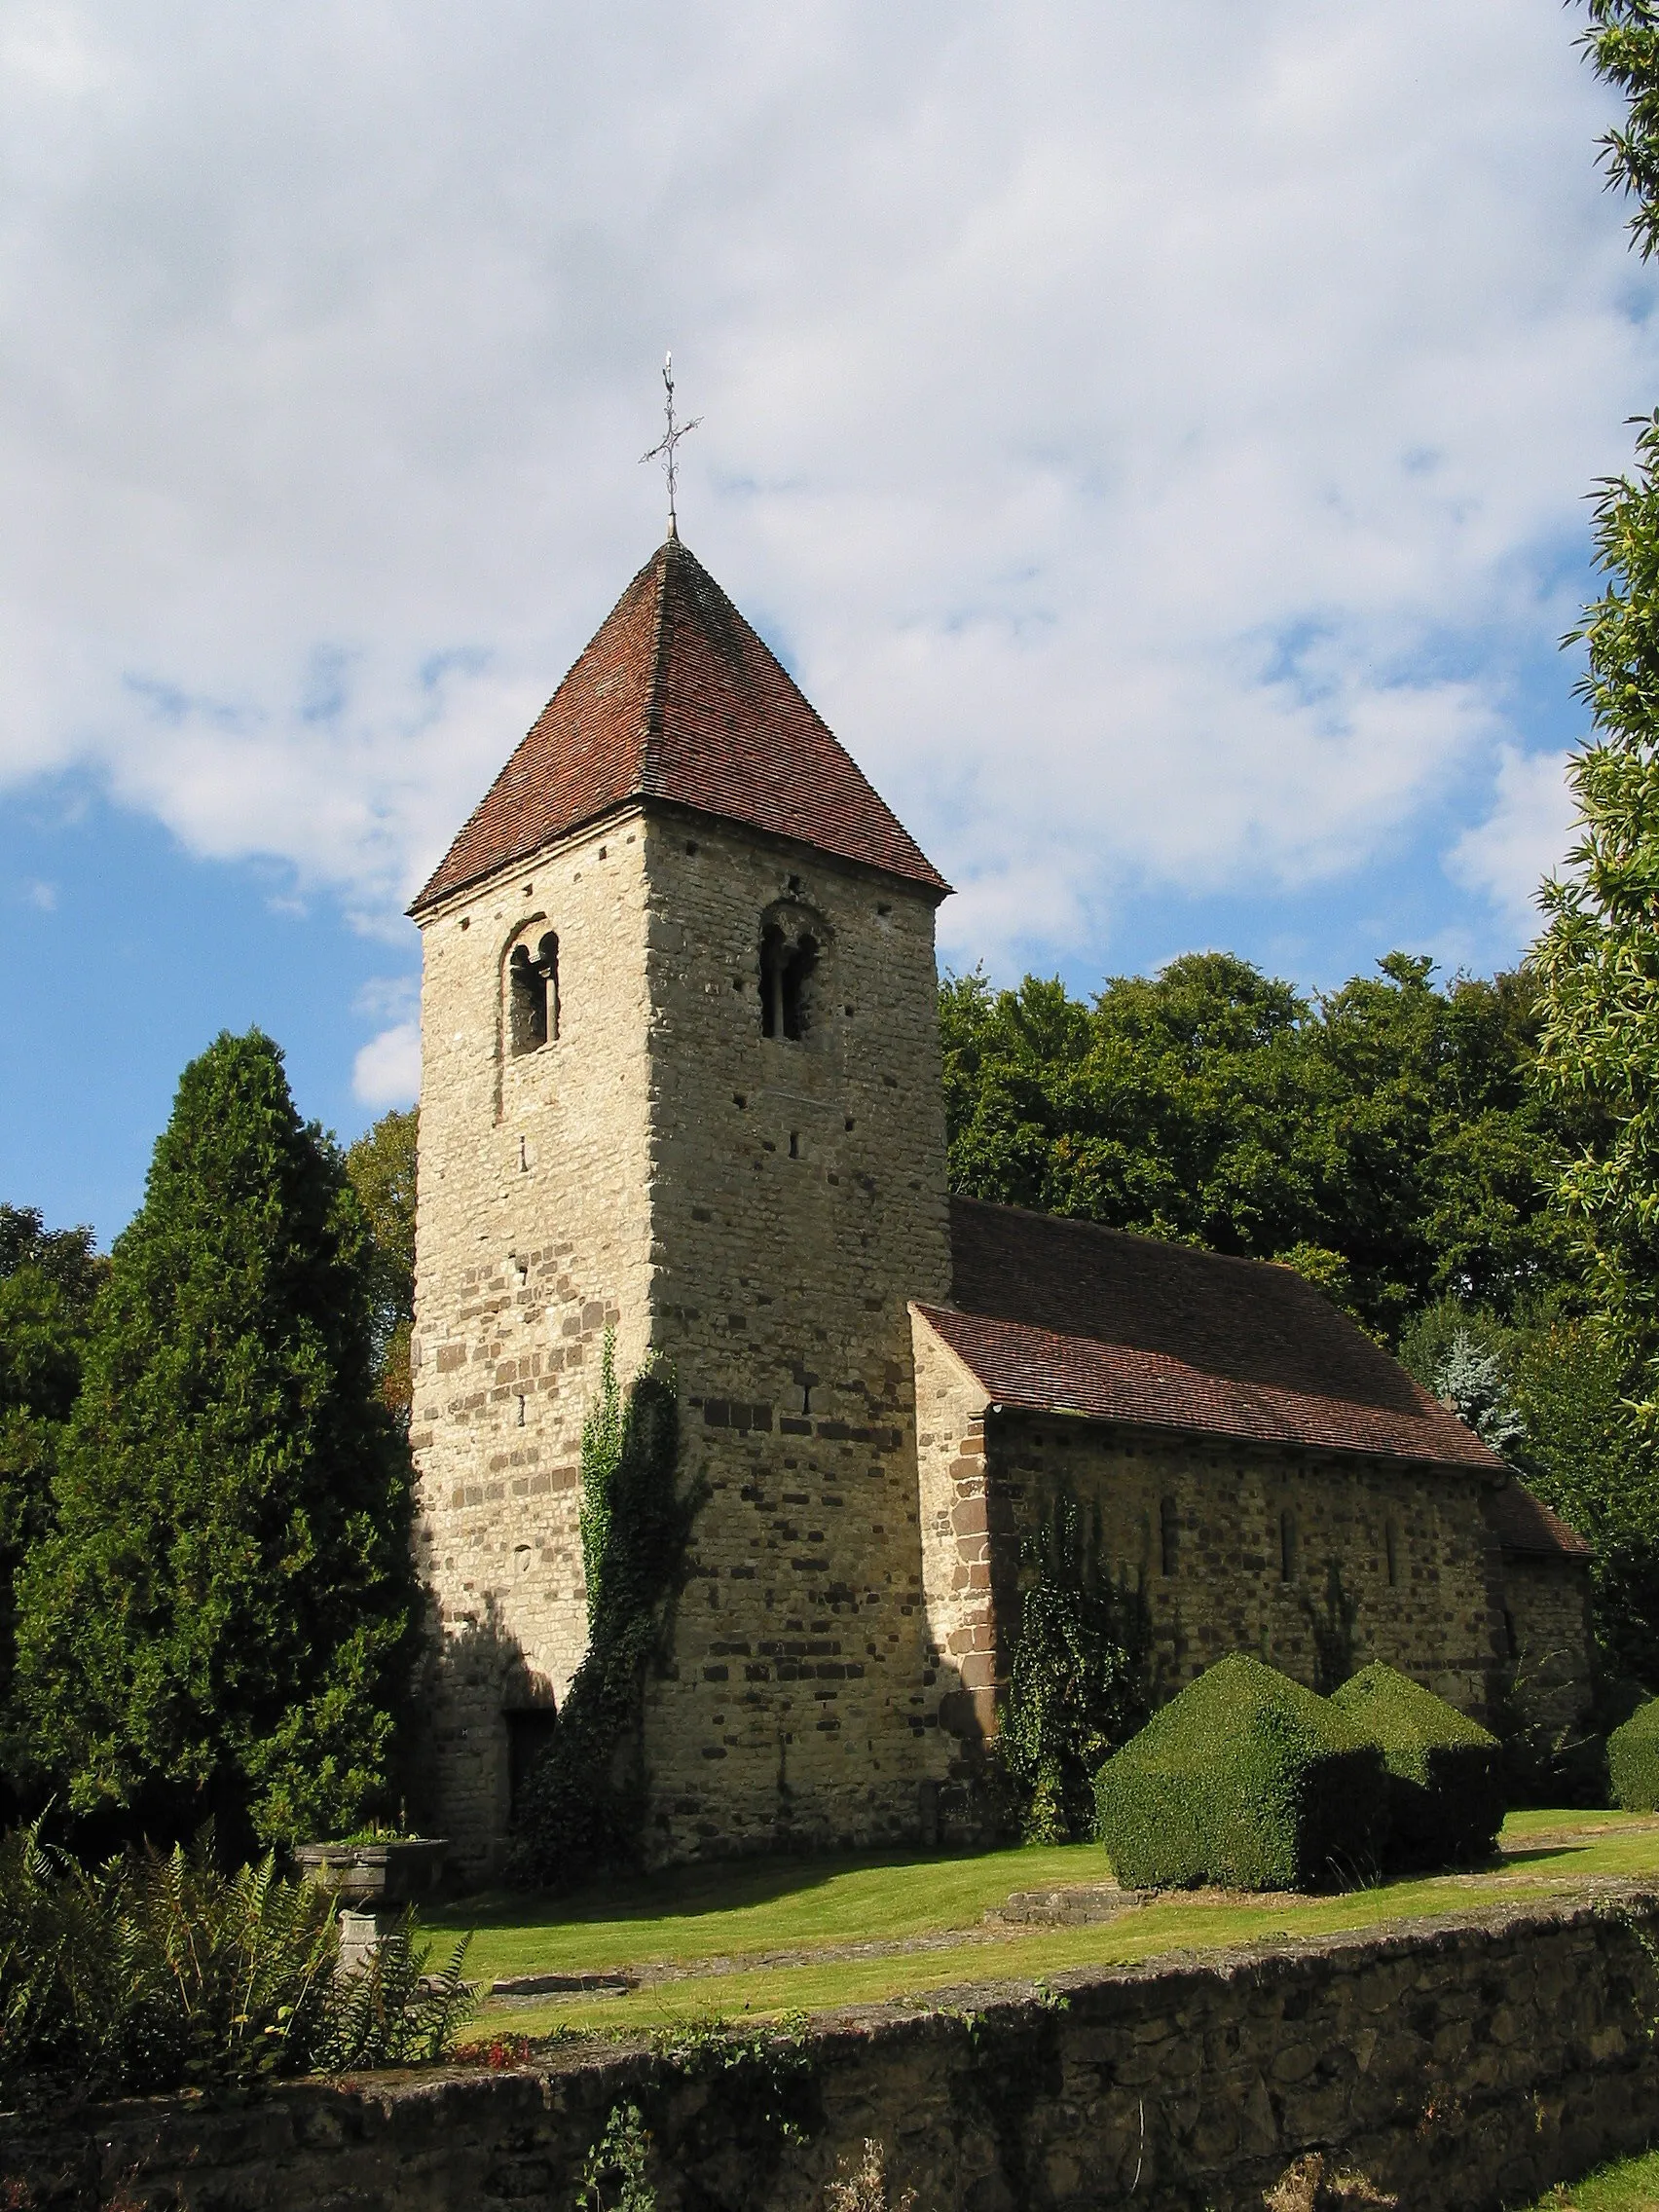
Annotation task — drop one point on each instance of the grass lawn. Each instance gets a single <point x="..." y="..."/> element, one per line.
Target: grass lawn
<point x="712" y="1928"/>
<point x="1630" y="2186"/>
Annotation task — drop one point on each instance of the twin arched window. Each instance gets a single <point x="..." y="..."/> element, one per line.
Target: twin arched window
<point x="791" y="953"/>
<point x="532" y="993"/>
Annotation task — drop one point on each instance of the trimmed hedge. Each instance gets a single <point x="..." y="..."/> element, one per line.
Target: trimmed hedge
<point x="1633" y="1760"/>
<point x="1246" y="1779"/>
<point x="1446" y="1794"/>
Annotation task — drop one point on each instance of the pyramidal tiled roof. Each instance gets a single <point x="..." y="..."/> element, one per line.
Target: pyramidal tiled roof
<point x="676" y="698"/>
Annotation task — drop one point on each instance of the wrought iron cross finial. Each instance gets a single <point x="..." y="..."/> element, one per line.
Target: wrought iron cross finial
<point x="665" y="445"/>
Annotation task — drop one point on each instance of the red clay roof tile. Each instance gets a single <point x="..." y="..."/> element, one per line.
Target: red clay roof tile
<point x="1059" y="1315"/>
<point x="1523" y="1522"/>
<point x="677" y="698"/>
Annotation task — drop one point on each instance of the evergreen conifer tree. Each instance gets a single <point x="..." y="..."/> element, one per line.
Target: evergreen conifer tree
<point x="48" y="1281"/>
<point x="220" y="1624"/>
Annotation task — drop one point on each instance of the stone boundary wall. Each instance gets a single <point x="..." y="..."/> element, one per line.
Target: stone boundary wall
<point x="1460" y="2063"/>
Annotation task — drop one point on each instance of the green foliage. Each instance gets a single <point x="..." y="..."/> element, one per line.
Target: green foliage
<point x="48" y="1281"/>
<point x="155" y="1973"/>
<point x="1597" y="963"/>
<point x="604" y="1431"/>
<point x="1385" y="1141"/>
<point x="1623" y="45"/>
<point x="1473" y="1381"/>
<point x="615" y="2171"/>
<point x="1633" y="1760"/>
<point x="584" y="1803"/>
<point x="1548" y="1390"/>
<point x="1078" y="1684"/>
<point x="1245" y="1780"/>
<point x="381" y="1167"/>
<point x="220" y="1623"/>
<point x="1445" y="1771"/>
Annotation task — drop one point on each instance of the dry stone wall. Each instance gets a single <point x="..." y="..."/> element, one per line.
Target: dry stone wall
<point x="1458" y="2066"/>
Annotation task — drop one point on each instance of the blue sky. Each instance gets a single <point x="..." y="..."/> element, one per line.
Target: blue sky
<point x="1157" y="440"/>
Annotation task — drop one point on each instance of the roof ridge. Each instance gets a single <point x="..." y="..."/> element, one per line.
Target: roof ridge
<point x="1133" y="1236"/>
<point x="652" y="712"/>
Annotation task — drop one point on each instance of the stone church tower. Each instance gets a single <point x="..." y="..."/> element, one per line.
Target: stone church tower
<point x="680" y="1077"/>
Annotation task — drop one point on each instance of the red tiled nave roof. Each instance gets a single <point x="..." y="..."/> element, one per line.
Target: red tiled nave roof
<point x="677" y="698"/>
<point x="1061" y="1315"/>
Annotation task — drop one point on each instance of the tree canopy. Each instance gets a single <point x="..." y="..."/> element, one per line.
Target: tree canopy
<point x="1385" y="1140"/>
<point x="219" y="1622"/>
<point x="381" y="1166"/>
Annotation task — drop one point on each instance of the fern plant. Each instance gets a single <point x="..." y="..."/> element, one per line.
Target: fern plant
<point x="154" y="1973"/>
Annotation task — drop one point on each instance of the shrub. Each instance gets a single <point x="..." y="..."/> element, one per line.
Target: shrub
<point x="1446" y="1796"/>
<point x="1633" y="1760"/>
<point x="151" y="1974"/>
<point x="1245" y="1778"/>
<point x="1078" y="1681"/>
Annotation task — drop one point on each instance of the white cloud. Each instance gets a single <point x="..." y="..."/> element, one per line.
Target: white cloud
<point x="1153" y="435"/>
<point x="387" y="1071"/>
<point x="1525" y="838"/>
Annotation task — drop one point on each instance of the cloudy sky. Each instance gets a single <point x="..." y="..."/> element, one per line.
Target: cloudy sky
<point x="1157" y="438"/>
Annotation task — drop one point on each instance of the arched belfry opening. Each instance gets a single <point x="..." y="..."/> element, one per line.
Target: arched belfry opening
<point x="793" y="948"/>
<point x="533" y="991"/>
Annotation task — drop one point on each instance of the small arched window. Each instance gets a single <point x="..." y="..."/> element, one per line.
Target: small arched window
<point x="533" y="994"/>
<point x="789" y="960"/>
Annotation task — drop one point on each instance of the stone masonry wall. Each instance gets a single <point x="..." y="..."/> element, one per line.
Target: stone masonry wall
<point x="1202" y="1529"/>
<point x="533" y="1235"/>
<point x="1458" y="2066"/>
<point x="1201" y="1525"/>
<point x="1547" y="1603"/>
<point x="759" y="1208"/>
<point x="970" y="1561"/>
<point x="797" y="1202"/>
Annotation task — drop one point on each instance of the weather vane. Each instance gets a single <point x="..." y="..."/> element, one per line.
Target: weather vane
<point x="672" y="439"/>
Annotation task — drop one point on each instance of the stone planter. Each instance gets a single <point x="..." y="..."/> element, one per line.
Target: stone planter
<point x="370" y="1876"/>
<point x="374" y="1882"/>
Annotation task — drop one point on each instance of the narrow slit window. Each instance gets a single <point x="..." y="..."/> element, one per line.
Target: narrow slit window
<point x="1392" y="1540"/>
<point x="1287" y="1546"/>
<point x="532" y="984"/>
<point x="1169" y="1536"/>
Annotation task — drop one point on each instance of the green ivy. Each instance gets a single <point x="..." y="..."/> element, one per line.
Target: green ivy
<point x="584" y="1805"/>
<point x="1078" y="1684"/>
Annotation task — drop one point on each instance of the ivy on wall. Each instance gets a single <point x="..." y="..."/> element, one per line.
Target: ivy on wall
<point x="583" y="1807"/>
<point x="1079" y="1680"/>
